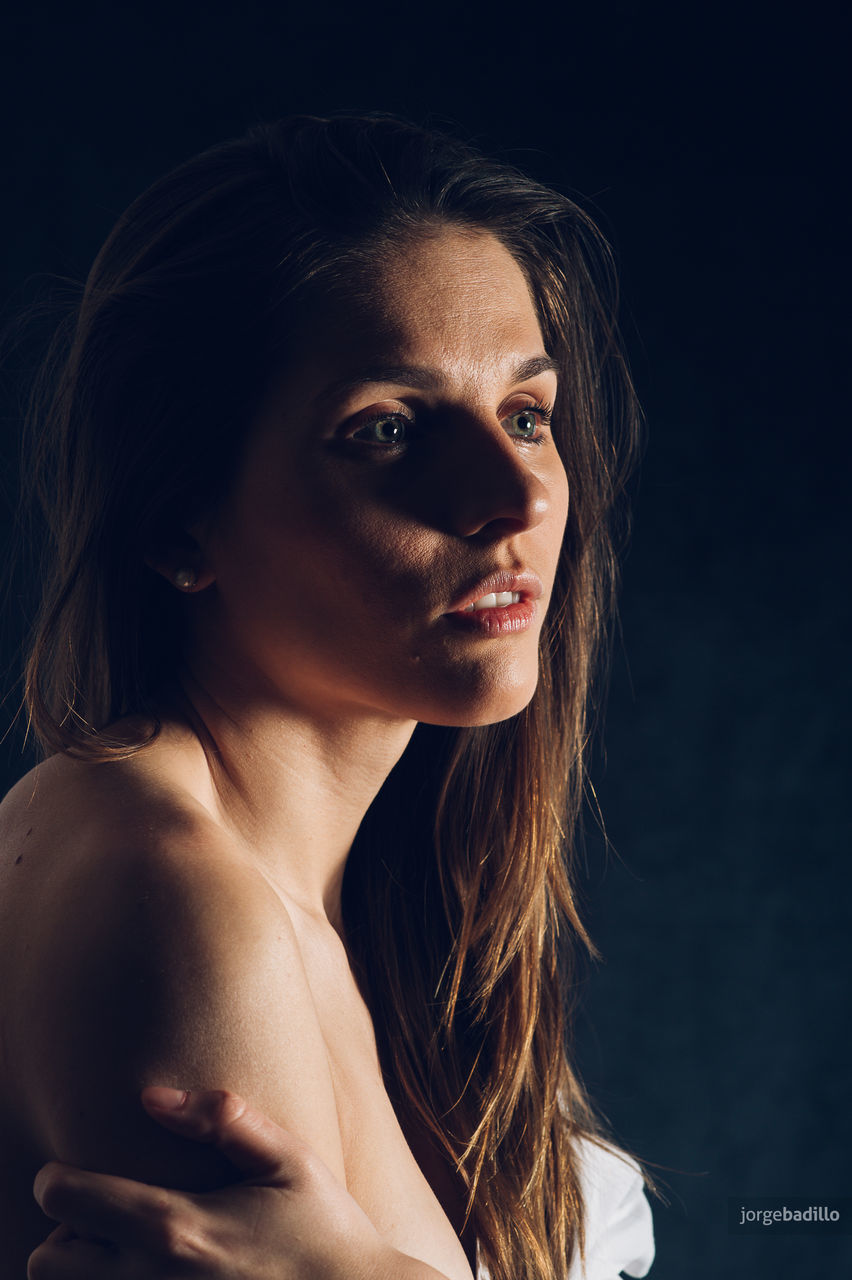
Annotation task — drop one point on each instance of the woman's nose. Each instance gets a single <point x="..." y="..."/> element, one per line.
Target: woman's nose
<point x="490" y="484"/>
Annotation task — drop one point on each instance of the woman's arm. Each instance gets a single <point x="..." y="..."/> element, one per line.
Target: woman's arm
<point x="289" y="1220"/>
<point x="170" y="963"/>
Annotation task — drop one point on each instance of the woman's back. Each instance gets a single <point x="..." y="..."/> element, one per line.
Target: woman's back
<point x="141" y="943"/>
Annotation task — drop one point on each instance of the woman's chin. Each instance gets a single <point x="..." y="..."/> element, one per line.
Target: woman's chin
<point x="483" y="707"/>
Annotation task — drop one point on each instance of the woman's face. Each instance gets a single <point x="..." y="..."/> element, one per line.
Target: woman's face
<point x="395" y="467"/>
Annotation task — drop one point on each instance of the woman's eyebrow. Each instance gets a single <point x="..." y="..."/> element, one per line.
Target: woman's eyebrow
<point x="423" y="377"/>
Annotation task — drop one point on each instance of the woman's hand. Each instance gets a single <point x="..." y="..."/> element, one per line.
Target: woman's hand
<point x="290" y="1220"/>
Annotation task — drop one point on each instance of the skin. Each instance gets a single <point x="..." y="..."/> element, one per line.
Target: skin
<point x="304" y="1224"/>
<point x="211" y="863"/>
<point x="326" y="537"/>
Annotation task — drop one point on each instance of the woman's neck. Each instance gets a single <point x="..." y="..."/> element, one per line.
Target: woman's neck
<point x="291" y="784"/>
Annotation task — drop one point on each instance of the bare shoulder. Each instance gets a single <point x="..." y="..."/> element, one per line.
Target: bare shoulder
<point x="145" y="947"/>
<point x="85" y="847"/>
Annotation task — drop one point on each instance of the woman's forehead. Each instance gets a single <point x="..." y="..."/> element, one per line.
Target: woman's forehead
<point x="513" y="370"/>
<point x="439" y="304"/>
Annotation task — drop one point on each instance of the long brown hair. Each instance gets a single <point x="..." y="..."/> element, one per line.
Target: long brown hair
<point x="458" y="905"/>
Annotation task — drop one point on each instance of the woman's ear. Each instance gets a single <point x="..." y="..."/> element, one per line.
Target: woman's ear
<point x="182" y="563"/>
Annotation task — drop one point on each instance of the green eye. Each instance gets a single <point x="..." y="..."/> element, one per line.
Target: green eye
<point x="389" y="429"/>
<point x="526" y="423"/>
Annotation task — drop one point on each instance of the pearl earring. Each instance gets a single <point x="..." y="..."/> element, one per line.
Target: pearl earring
<point x="185" y="579"/>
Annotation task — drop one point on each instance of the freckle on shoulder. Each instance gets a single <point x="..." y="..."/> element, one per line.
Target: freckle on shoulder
<point x="97" y="832"/>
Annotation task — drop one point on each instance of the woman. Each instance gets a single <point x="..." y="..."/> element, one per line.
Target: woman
<point x="330" y="458"/>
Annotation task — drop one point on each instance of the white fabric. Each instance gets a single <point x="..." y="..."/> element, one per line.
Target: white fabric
<point x="619" y="1226"/>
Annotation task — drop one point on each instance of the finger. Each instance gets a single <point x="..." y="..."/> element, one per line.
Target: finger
<point x="61" y="1257"/>
<point x="251" y="1141"/>
<point x="102" y="1206"/>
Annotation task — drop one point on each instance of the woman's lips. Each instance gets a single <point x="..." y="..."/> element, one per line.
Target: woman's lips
<point x="522" y="582"/>
<point x="522" y="587"/>
<point x="494" y="600"/>
<point x="502" y="620"/>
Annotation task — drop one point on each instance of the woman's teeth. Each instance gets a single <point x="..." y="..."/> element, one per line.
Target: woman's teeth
<point x="497" y="600"/>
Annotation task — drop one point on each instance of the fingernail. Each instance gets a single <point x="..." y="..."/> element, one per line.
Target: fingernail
<point x="163" y="1099"/>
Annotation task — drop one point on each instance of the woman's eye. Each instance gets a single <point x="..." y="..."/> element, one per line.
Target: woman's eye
<point x="390" y="428"/>
<point x="394" y="429"/>
<point x="528" y="422"/>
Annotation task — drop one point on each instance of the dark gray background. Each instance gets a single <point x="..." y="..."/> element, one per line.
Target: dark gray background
<point x="712" y="141"/>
